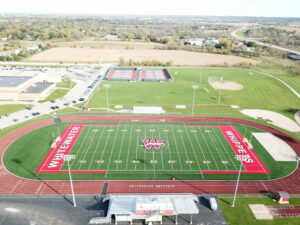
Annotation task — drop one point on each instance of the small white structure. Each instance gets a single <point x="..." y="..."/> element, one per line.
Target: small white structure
<point x="213" y="204"/>
<point x="147" y="207"/>
<point x="148" y="110"/>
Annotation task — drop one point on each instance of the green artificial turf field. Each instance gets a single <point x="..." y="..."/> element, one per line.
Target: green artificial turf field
<point x="185" y="152"/>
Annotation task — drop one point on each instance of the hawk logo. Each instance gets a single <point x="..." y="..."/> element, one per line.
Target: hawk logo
<point x="156" y="144"/>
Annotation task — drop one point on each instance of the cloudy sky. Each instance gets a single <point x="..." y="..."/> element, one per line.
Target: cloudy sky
<point x="268" y="8"/>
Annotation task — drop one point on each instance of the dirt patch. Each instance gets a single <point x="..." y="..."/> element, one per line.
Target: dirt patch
<point x="226" y="85"/>
<point x="178" y="57"/>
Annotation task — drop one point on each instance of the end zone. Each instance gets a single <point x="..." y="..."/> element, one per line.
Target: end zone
<point x="243" y="150"/>
<point x="54" y="161"/>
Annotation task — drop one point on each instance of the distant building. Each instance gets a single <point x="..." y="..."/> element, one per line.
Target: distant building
<point x="194" y="42"/>
<point x="294" y="57"/>
<point x="32" y="48"/>
<point x="10" y="53"/>
<point x="211" y="42"/>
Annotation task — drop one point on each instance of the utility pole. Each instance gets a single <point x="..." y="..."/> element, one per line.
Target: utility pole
<point x="68" y="158"/>
<point x="194" y="87"/>
<point x="106" y="86"/>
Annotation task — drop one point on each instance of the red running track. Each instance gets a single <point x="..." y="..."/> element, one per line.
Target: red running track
<point x="10" y="184"/>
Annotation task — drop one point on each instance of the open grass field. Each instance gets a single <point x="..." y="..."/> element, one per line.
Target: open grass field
<point x="178" y="57"/>
<point x="141" y="150"/>
<point x="259" y="92"/>
<point x="58" y="93"/>
<point x="241" y="214"/>
<point x="10" y="108"/>
<point x="66" y="84"/>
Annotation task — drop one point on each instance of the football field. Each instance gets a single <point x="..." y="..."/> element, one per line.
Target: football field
<point x="147" y="148"/>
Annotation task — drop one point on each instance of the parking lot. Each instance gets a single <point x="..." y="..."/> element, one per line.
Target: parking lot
<point x="86" y="78"/>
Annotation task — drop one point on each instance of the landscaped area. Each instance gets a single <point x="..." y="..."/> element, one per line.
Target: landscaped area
<point x="241" y="214"/>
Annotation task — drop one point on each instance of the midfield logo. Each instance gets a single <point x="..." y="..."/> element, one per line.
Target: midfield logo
<point x="156" y="144"/>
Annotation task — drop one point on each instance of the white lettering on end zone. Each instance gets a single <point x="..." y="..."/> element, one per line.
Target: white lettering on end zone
<point x="53" y="164"/>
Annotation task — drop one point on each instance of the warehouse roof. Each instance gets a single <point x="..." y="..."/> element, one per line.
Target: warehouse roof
<point x="37" y="87"/>
<point x="12" y="81"/>
<point x="126" y="204"/>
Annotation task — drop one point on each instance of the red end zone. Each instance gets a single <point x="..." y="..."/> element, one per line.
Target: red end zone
<point x="54" y="161"/>
<point x="243" y="151"/>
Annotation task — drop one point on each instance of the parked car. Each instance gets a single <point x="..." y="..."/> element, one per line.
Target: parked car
<point x="53" y="101"/>
<point x="36" y="113"/>
<point x="81" y="99"/>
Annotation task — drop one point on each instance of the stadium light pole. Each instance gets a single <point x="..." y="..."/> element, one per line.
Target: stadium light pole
<point x="194" y="87"/>
<point x="106" y="86"/>
<point x="237" y="183"/>
<point x="68" y="158"/>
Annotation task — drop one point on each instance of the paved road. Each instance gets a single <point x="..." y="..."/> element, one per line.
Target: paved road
<point x="84" y="77"/>
<point x="58" y="210"/>
<point x="234" y="34"/>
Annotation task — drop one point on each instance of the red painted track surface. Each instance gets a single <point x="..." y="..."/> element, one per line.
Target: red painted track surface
<point x="10" y="184"/>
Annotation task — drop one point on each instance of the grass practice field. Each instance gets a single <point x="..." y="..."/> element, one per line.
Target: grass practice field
<point x="259" y="91"/>
<point x="141" y="150"/>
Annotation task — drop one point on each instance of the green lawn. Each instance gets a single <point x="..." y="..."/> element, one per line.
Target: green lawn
<point x="260" y="92"/>
<point x="10" y="108"/>
<point x="187" y="151"/>
<point x="66" y="84"/>
<point x="58" y="93"/>
<point x="273" y="68"/>
<point x="242" y="215"/>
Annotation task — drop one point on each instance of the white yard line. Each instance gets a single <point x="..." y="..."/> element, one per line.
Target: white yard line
<point x="213" y="158"/>
<point x="214" y="143"/>
<point x="138" y="141"/>
<point x="186" y="130"/>
<point x="127" y="161"/>
<point x="104" y="148"/>
<point x="87" y="149"/>
<point x="169" y="150"/>
<point x="201" y="148"/>
<point x="79" y="149"/>
<point x="120" y="148"/>
<point x="96" y="148"/>
<point x="185" y="150"/>
<point x="176" y="148"/>
<point x="226" y="150"/>
<point x="161" y="150"/>
<point x="111" y="152"/>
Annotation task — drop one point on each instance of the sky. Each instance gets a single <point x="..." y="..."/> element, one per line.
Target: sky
<point x="266" y="8"/>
